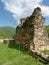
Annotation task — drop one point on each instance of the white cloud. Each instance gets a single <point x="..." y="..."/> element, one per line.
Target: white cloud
<point x="45" y="10"/>
<point x="24" y="8"/>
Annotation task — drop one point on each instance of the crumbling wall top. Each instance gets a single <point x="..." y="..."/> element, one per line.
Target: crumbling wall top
<point x="38" y="9"/>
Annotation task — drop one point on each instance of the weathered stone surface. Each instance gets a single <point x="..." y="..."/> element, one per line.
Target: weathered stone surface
<point x="8" y="41"/>
<point x="31" y="33"/>
<point x="42" y="56"/>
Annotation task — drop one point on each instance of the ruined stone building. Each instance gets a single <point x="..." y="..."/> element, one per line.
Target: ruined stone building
<point x="31" y="33"/>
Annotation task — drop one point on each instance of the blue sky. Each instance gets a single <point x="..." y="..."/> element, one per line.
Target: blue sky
<point x="12" y="10"/>
<point x="6" y="18"/>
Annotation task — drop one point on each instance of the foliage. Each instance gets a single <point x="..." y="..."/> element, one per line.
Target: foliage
<point x="7" y="32"/>
<point x="47" y="29"/>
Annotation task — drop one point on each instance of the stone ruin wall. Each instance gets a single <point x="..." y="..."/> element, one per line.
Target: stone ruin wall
<point x="41" y="40"/>
<point x="35" y="25"/>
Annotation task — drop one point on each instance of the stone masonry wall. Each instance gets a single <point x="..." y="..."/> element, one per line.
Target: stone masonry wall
<point x="31" y="32"/>
<point x="40" y="35"/>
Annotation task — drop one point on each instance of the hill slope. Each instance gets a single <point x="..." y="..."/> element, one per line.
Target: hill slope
<point x="7" y="32"/>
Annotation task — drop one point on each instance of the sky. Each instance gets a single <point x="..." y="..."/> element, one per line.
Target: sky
<point x="11" y="11"/>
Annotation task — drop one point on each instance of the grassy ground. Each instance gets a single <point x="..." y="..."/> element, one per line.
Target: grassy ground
<point x="13" y="56"/>
<point x="46" y="52"/>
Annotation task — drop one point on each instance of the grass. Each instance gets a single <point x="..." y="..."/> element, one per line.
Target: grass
<point x="46" y="52"/>
<point x="13" y="56"/>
